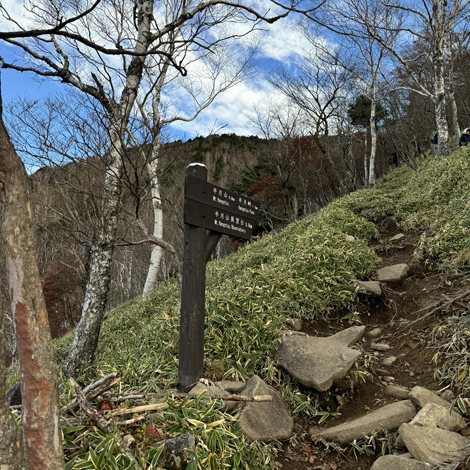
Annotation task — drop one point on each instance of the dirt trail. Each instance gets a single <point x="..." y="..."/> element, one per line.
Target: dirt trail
<point x="399" y="306"/>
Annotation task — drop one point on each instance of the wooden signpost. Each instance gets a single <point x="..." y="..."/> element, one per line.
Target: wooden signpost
<point x="209" y="212"/>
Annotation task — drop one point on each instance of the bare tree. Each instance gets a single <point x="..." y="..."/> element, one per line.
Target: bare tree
<point x="78" y="60"/>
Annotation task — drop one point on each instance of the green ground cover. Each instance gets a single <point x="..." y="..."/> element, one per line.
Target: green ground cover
<point x="308" y="270"/>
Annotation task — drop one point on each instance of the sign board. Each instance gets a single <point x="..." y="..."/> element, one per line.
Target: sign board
<point x="218" y="209"/>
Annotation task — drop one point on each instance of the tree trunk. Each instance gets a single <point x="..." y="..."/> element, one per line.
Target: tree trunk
<point x="157" y="251"/>
<point x="11" y="447"/>
<point x="373" y="140"/>
<point x="366" y="161"/>
<point x="82" y="351"/>
<point x="38" y="368"/>
<point x="440" y="107"/>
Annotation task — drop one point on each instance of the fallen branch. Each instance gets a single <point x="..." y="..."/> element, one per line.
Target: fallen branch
<point x="129" y="421"/>
<point x="101" y="423"/>
<point x="440" y="307"/>
<point x="93" y="390"/>
<point x="256" y="398"/>
<point x="138" y="409"/>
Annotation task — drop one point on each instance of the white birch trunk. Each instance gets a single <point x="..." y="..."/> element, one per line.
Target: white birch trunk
<point x="366" y="161"/>
<point x="81" y="354"/>
<point x="440" y="106"/>
<point x="157" y="251"/>
<point x="373" y="137"/>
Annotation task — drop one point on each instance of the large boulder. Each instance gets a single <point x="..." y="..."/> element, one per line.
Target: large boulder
<point x="434" y="445"/>
<point x="395" y="462"/>
<point x="388" y="417"/>
<point x="315" y="361"/>
<point x="265" y="421"/>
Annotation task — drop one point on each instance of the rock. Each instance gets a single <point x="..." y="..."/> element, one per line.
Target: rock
<point x="265" y="421"/>
<point x="370" y="213"/>
<point x="388" y="361"/>
<point x="175" y="455"/>
<point x="374" y="333"/>
<point x="350" y="238"/>
<point x="316" y="362"/>
<point x="213" y="390"/>
<point x="397" y="237"/>
<point x="433" y="414"/>
<point x="295" y="324"/>
<point x="380" y="346"/>
<point x="389" y="417"/>
<point x="13" y="395"/>
<point x="370" y="287"/>
<point x="395" y="273"/>
<point x="394" y="462"/>
<point x="434" y="445"/>
<point x="231" y="386"/>
<point x="396" y="391"/>
<point x="448" y="395"/>
<point x="420" y="396"/>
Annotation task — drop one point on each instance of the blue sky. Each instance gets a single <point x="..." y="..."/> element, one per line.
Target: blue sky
<point x="280" y="44"/>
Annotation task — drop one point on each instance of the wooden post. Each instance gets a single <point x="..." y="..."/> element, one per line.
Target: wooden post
<point x="191" y="342"/>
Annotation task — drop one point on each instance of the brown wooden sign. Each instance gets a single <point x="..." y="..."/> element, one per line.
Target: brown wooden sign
<point x="218" y="209"/>
<point x="209" y="212"/>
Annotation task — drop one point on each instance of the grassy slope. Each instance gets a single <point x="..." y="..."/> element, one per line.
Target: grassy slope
<point x="306" y="271"/>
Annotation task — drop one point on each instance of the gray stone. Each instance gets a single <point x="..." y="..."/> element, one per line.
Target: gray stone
<point x="265" y="421"/>
<point x="434" y="445"/>
<point x="380" y="346"/>
<point x="370" y="287"/>
<point x="374" y="333"/>
<point x="175" y="455"/>
<point x="394" y="462"/>
<point x="295" y="324"/>
<point x="316" y="362"/>
<point x="397" y="237"/>
<point x="395" y="273"/>
<point x="448" y="395"/>
<point x="397" y="391"/>
<point x="420" y="396"/>
<point x="433" y="414"/>
<point x="350" y="238"/>
<point x="231" y="386"/>
<point x="13" y="395"/>
<point x="388" y="417"/>
<point x="388" y="361"/>
<point x="213" y="390"/>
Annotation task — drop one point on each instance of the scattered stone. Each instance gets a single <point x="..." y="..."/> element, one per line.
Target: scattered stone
<point x="316" y="362"/>
<point x="448" y="395"/>
<point x="395" y="273"/>
<point x="295" y="324"/>
<point x="420" y="396"/>
<point x="395" y="462"/>
<point x="265" y="421"/>
<point x="13" y="395"/>
<point x="434" y="445"/>
<point x="433" y="414"/>
<point x="397" y="391"/>
<point x="231" y="386"/>
<point x="350" y="238"/>
<point x="374" y="333"/>
<point x="388" y="361"/>
<point x="213" y="390"/>
<point x="370" y="287"/>
<point x="368" y="213"/>
<point x="398" y="236"/>
<point x="175" y="455"/>
<point x="380" y="346"/>
<point x="127" y="441"/>
<point x="389" y="417"/>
